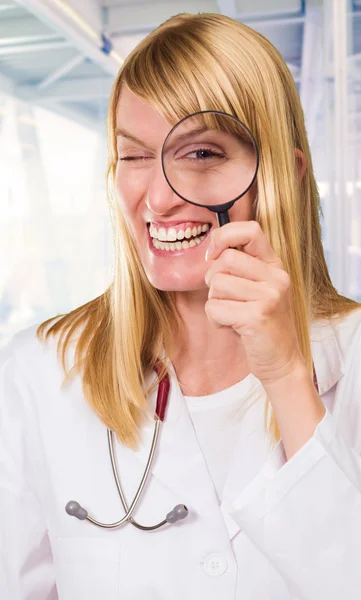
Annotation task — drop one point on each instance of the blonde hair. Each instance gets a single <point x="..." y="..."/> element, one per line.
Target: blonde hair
<point x="192" y="63"/>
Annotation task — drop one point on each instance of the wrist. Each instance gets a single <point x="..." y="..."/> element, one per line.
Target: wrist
<point x="293" y="373"/>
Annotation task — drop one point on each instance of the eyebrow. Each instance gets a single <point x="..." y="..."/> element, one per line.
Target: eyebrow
<point x="193" y="132"/>
<point x="128" y="136"/>
<point x="133" y="138"/>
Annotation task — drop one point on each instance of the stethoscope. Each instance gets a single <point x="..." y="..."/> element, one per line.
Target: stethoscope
<point x="180" y="511"/>
<point x="74" y="509"/>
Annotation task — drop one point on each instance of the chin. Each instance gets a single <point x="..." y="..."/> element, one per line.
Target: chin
<point x="171" y="284"/>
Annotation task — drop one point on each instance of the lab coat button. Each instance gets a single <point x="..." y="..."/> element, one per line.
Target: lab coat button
<point x="215" y="564"/>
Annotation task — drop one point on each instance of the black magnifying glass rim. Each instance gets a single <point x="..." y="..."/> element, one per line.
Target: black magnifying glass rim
<point x="226" y="205"/>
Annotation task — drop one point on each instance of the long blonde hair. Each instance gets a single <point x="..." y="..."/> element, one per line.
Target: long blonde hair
<point x="192" y="63"/>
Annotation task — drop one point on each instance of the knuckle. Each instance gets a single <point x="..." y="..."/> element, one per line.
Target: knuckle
<point x="274" y="296"/>
<point x="228" y="258"/>
<point x="256" y="228"/>
<point x="285" y="279"/>
<point x="261" y="316"/>
<point x="217" y="280"/>
<point x="209" y="307"/>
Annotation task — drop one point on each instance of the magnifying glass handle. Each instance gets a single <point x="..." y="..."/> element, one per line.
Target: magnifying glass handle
<point x="223" y="218"/>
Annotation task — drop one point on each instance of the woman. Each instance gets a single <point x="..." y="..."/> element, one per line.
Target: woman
<point x="263" y="523"/>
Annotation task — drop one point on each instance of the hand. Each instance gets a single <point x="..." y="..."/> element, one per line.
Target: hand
<point x="249" y="291"/>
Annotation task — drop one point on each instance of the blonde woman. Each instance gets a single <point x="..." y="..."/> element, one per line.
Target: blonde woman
<point x="261" y="440"/>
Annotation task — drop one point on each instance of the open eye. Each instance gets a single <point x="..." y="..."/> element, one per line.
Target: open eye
<point x="203" y="154"/>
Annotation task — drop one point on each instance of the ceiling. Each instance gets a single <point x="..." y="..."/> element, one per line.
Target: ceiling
<point x="64" y="54"/>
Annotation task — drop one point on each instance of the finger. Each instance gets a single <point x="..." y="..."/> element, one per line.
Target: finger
<point x="241" y="265"/>
<point x="248" y="235"/>
<point x="229" y="287"/>
<point x="227" y="313"/>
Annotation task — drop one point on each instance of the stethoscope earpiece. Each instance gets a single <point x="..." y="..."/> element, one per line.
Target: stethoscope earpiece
<point x="179" y="512"/>
<point x="74" y="509"/>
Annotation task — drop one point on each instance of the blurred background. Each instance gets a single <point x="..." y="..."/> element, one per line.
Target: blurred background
<point x="58" y="59"/>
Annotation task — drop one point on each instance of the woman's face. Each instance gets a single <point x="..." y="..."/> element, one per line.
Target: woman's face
<point x="151" y="208"/>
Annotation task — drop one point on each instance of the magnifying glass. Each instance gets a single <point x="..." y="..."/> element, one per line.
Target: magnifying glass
<point x="210" y="159"/>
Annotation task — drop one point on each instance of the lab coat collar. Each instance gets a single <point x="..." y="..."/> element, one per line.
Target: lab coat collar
<point x="179" y="462"/>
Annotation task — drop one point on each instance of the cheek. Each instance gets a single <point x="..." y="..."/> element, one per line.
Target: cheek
<point x="130" y="188"/>
<point x="242" y="209"/>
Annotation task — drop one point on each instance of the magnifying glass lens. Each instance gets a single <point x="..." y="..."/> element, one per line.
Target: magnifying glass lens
<point x="210" y="158"/>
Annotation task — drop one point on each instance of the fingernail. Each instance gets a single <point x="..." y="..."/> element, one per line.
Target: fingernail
<point x="210" y="250"/>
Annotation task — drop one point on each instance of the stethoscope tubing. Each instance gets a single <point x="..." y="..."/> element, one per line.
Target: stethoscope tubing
<point x="130" y="510"/>
<point x="180" y="511"/>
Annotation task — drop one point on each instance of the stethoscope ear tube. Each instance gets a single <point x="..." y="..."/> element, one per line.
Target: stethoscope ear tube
<point x="180" y="511"/>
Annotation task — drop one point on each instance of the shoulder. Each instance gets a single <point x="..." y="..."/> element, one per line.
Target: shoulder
<point x="35" y="394"/>
<point x="25" y="355"/>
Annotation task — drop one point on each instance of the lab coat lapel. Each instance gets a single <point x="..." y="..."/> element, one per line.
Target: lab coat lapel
<point x="179" y="462"/>
<point x="253" y="448"/>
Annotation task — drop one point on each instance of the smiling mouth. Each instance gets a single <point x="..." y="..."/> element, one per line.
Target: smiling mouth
<point x="178" y="245"/>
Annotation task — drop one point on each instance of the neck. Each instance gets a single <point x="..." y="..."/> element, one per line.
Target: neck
<point x="206" y="359"/>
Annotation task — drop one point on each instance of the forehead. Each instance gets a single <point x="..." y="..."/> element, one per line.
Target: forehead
<point x="139" y="117"/>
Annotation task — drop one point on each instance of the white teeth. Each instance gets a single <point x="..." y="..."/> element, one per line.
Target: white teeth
<point x="171" y="246"/>
<point x="162" y="234"/>
<point x="152" y="231"/>
<point x="172" y="235"/>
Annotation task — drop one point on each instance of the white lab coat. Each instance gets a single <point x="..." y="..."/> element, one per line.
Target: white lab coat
<point x="284" y="530"/>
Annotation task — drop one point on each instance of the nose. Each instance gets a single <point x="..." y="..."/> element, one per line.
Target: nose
<point x="160" y="198"/>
